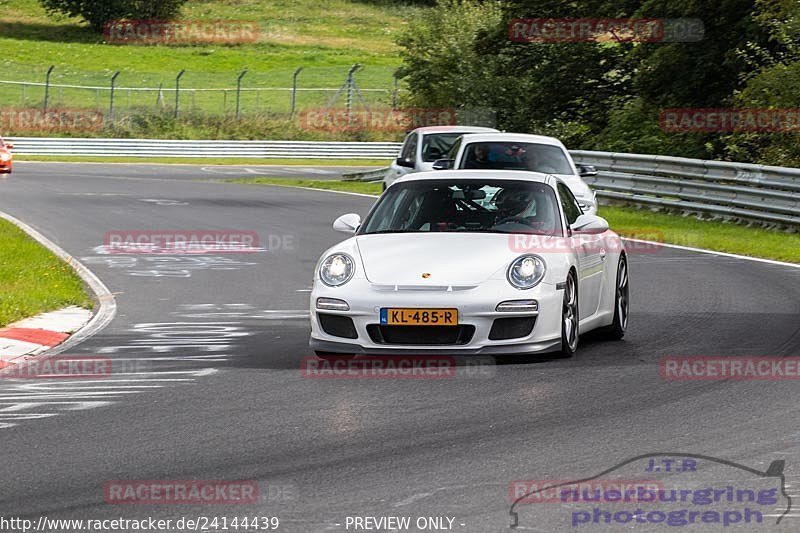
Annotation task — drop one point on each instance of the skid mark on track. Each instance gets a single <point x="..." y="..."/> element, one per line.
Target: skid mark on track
<point x="138" y="370"/>
<point x="167" y="266"/>
<point x="163" y="202"/>
<point x="239" y="310"/>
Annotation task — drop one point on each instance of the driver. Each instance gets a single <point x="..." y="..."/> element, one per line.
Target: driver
<point x="519" y="207"/>
<point x="515" y="204"/>
<point x="480" y="157"/>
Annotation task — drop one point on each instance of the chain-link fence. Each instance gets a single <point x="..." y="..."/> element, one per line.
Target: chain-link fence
<point x="246" y="93"/>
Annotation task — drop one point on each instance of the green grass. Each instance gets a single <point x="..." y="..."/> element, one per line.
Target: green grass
<point x="708" y="234"/>
<point x="328" y="185"/>
<point x="32" y="279"/>
<point x="207" y="161"/>
<point x="638" y="223"/>
<point x="325" y="38"/>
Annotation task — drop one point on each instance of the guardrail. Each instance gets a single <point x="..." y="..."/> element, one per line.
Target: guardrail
<point x="91" y="147"/>
<point x="743" y="191"/>
<point x="736" y="190"/>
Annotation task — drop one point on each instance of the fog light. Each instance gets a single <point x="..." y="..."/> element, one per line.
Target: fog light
<point x="518" y="306"/>
<point x="334" y="304"/>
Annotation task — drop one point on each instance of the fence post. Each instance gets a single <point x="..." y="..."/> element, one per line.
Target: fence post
<point x="111" y="98"/>
<point x="394" y="92"/>
<point x="239" y="91"/>
<point x="178" y="91"/>
<point x="294" y="89"/>
<point x="47" y="86"/>
<point x="351" y="81"/>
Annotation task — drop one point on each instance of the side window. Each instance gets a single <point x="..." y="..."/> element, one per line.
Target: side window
<point x="410" y="148"/>
<point x="568" y="203"/>
<point x="453" y="152"/>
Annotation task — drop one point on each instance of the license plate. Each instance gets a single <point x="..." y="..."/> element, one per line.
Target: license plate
<point x="418" y="317"/>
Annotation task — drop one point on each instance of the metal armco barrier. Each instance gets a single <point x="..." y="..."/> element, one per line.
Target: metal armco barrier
<point x="744" y="191"/>
<point x="168" y="148"/>
<point x="737" y="190"/>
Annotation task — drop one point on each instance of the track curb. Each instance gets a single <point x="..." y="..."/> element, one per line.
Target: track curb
<point x="48" y="342"/>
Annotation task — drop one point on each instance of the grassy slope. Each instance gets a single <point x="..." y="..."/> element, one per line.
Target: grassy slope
<point x="33" y="280"/>
<point x="685" y="231"/>
<point x="324" y="37"/>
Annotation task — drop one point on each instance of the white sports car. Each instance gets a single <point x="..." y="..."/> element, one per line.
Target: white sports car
<point x="518" y="151"/>
<point x="469" y="262"/>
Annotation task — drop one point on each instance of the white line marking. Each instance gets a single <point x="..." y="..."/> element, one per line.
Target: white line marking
<point x="723" y="254"/>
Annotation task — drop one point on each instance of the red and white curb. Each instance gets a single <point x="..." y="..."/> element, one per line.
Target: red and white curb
<point x="52" y="333"/>
<point x="37" y="334"/>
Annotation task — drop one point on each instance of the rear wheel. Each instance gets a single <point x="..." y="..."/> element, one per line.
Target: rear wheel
<point x="621" y="303"/>
<point x="569" y="318"/>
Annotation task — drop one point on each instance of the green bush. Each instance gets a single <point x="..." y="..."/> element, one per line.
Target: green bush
<point x="98" y="12"/>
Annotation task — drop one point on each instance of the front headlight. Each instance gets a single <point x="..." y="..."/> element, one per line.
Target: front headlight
<point x="5" y="156"/>
<point x="526" y="271"/>
<point x="336" y="269"/>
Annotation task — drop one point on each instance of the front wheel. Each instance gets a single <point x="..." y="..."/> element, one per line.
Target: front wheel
<point x="569" y="318"/>
<point x="621" y="303"/>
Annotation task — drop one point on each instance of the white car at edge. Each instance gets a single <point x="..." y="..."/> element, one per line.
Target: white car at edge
<point x="469" y="262"/>
<point x="520" y="151"/>
<point x="423" y="146"/>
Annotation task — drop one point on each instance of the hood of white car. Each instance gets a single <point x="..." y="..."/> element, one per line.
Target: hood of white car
<point x="576" y="184"/>
<point x="448" y="258"/>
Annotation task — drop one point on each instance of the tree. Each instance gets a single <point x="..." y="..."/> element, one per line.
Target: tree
<point x="774" y="85"/>
<point x="98" y="12"/>
<point x="460" y="54"/>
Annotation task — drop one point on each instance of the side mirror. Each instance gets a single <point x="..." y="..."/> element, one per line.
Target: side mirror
<point x="348" y="223"/>
<point x="9" y="146"/>
<point x="590" y="224"/>
<point x="586" y="171"/>
<point x="403" y="162"/>
<point x="443" y="164"/>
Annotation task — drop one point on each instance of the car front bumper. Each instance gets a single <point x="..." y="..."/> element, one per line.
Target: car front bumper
<point x="476" y="309"/>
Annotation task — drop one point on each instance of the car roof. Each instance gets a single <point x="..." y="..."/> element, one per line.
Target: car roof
<point x="521" y="175"/>
<point x="513" y="137"/>
<point x="453" y="129"/>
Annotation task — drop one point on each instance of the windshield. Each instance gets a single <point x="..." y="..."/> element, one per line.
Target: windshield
<point x="436" y="145"/>
<point x="508" y="155"/>
<point x="474" y="205"/>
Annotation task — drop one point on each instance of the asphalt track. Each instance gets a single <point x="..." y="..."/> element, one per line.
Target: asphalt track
<point x="214" y="391"/>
